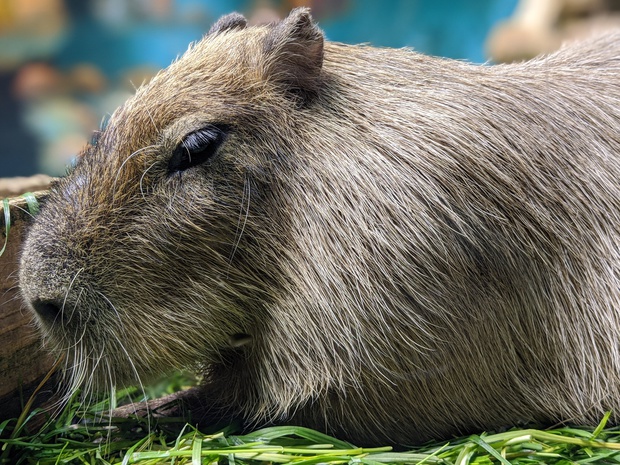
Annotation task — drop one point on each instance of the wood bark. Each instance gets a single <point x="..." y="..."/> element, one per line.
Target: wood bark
<point x="23" y="362"/>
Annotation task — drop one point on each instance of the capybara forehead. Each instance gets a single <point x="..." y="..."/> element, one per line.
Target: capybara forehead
<point x="216" y="78"/>
<point x="237" y="76"/>
<point x="234" y="75"/>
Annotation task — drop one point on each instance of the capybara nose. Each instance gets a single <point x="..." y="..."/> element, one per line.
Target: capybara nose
<point x="49" y="311"/>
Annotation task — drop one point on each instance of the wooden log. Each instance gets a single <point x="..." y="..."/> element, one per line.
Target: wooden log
<point x="23" y="362"/>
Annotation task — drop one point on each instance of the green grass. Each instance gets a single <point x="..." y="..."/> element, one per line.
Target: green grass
<point x="33" y="209"/>
<point x="84" y="436"/>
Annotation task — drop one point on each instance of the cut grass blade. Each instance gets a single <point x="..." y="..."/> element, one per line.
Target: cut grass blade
<point x="33" y="209"/>
<point x="270" y="434"/>
<point x="601" y="426"/>
<point x="481" y="443"/>
<point x="88" y="437"/>
<point x="32" y="202"/>
<point x="196" y="451"/>
<point x="7" y="224"/>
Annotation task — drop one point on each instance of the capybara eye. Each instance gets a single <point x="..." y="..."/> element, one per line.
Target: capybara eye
<point x="197" y="147"/>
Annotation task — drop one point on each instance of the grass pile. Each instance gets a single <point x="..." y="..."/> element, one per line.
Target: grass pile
<point x="86" y="436"/>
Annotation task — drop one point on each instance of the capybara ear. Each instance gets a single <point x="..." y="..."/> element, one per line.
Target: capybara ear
<point x="294" y="54"/>
<point x="228" y="22"/>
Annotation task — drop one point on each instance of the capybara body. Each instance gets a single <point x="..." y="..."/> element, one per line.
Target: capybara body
<point x="382" y="245"/>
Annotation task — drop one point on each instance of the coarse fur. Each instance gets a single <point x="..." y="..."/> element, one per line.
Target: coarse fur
<point x="386" y="246"/>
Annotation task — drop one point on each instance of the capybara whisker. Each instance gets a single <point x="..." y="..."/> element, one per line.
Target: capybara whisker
<point x="243" y="218"/>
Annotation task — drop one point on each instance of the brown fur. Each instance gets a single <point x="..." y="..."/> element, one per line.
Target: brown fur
<point x="417" y="247"/>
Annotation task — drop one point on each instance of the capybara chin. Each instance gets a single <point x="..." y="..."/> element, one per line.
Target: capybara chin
<point x="382" y="245"/>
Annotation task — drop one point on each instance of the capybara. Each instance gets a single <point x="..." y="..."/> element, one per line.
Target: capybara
<point x="378" y="244"/>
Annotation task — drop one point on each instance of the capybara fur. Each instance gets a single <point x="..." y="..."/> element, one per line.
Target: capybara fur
<point x="381" y="245"/>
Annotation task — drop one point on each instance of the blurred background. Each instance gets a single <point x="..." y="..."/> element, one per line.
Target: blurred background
<point x="67" y="64"/>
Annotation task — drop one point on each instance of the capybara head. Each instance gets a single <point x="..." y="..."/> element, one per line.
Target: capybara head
<point x="386" y="246"/>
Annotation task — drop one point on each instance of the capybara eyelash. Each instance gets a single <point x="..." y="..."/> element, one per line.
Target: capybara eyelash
<point x="197" y="147"/>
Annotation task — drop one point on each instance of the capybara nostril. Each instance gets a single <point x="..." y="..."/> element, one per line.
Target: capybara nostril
<point x="49" y="311"/>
